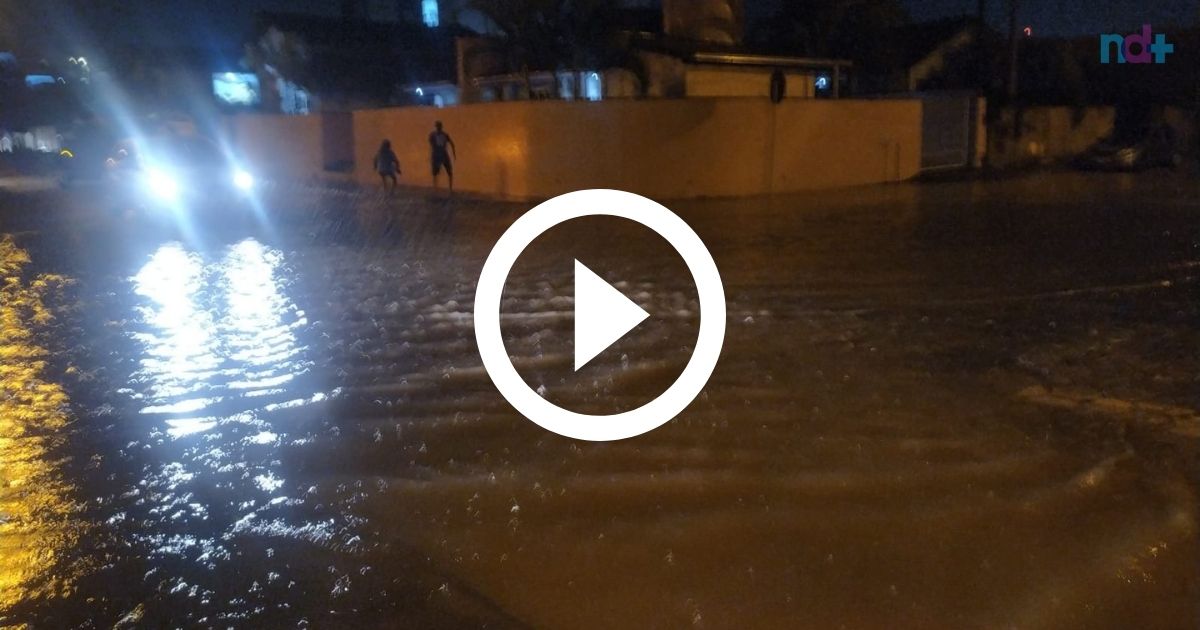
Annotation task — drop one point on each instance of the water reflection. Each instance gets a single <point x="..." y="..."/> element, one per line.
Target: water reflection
<point x="220" y="357"/>
<point x="180" y="349"/>
<point x="38" y="526"/>
<point x="260" y="325"/>
<point x="220" y="336"/>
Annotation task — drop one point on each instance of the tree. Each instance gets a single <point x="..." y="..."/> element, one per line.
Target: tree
<point x="526" y="33"/>
<point x="592" y="37"/>
<point x="860" y="30"/>
<point x="278" y="55"/>
<point x="573" y="35"/>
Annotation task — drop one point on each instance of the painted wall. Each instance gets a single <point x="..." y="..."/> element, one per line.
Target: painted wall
<point x="666" y="149"/>
<point x="829" y="143"/>
<point x="337" y="141"/>
<point x="709" y="81"/>
<point x="279" y="146"/>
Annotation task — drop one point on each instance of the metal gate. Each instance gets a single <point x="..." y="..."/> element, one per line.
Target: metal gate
<point x="946" y="130"/>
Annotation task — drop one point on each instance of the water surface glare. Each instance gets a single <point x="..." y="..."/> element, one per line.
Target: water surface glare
<point x="957" y="405"/>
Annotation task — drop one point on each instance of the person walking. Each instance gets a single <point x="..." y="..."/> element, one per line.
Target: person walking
<point x="388" y="166"/>
<point x="439" y="156"/>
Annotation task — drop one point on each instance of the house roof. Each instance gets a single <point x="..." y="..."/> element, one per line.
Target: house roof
<point x="709" y="53"/>
<point x="918" y="41"/>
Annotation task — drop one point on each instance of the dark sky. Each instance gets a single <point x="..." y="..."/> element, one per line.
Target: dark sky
<point x="215" y="23"/>
<point x="1052" y="17"/>
<point x="1070" y="17"/>
<point x="222" y="23"/>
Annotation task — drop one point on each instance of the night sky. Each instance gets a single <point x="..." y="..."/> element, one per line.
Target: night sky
<point x="1051" y="17"/>
<point x="1070" y="17"/>
<point x="222" y="23"/>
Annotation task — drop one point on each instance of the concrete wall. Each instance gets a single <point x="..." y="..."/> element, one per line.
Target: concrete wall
<point x="709" y="81"/>
<point x="286" y="147"/>
<point x="666" y="149"/>
<point x="337" y="141"/>
<point x="828" y="143"/>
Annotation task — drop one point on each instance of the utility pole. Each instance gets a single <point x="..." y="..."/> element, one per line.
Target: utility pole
<point x="1013" y="72"/>
<point x="981" y="48"/>
<point x="1013" y="43"/>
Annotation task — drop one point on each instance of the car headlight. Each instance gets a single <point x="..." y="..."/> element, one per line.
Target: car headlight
<point x="243" y="180"/>
<point x="162" y="184"/>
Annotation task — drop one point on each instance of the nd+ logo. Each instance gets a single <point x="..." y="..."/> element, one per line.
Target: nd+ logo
<point x="1135" y="48"/>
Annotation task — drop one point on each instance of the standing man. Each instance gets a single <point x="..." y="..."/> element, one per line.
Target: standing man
<point x="438" y="142"/>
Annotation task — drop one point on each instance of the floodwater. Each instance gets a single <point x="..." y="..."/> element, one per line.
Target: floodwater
<point x="940" y="405"/>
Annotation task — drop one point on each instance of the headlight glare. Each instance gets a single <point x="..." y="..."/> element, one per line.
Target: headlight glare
<point x="243" y="180"/>
<point x="162" y="184"/>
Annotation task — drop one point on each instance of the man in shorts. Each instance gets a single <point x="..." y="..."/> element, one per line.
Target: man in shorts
<point x="440" y="149"/>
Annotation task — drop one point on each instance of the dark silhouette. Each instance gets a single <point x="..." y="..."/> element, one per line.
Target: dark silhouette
<point x="387" y="165"/>
<point x="577" y="36"/>
<point x="438" y="155"/>
<point x="871" y="34"/>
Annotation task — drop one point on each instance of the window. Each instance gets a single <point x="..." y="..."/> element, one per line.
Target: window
<point x="823" y="86"/>
<point x="565" y="87"/>
<point x="236" y="88"/>
<point x="429" y="12"/>
<point x="592" y="88"/>
<point x="293" y="99"/>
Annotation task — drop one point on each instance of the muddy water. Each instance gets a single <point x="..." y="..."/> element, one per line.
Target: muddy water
<point x="950" y="405"/>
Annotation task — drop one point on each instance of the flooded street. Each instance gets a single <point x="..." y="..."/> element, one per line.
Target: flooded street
<point x="939" y="405"/>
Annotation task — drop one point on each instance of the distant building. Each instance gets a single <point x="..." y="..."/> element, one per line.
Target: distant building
<point x="683" y="69"/>
<point x="307" y="63"/>
<point x="720" y="22"/>
<point x="689" y="48"/>
<point x="430" y="13"/>
<point x="934" y="52"/>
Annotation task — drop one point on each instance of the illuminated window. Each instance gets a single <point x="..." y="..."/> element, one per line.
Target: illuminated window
<point x="429" y="12"/>
<point x="592" y="88"/>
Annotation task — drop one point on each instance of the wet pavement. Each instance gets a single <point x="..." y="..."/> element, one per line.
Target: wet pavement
<point x="940" y="405"/>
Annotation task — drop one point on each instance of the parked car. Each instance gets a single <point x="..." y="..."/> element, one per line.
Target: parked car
<point x="1150" y="147"/>
<point x="177" y="173"/>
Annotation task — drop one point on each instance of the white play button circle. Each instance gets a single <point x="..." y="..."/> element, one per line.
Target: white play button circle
<point x="602" y="315"/>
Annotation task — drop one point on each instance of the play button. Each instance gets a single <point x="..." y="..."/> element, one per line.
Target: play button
<point x="602" y="315"/>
